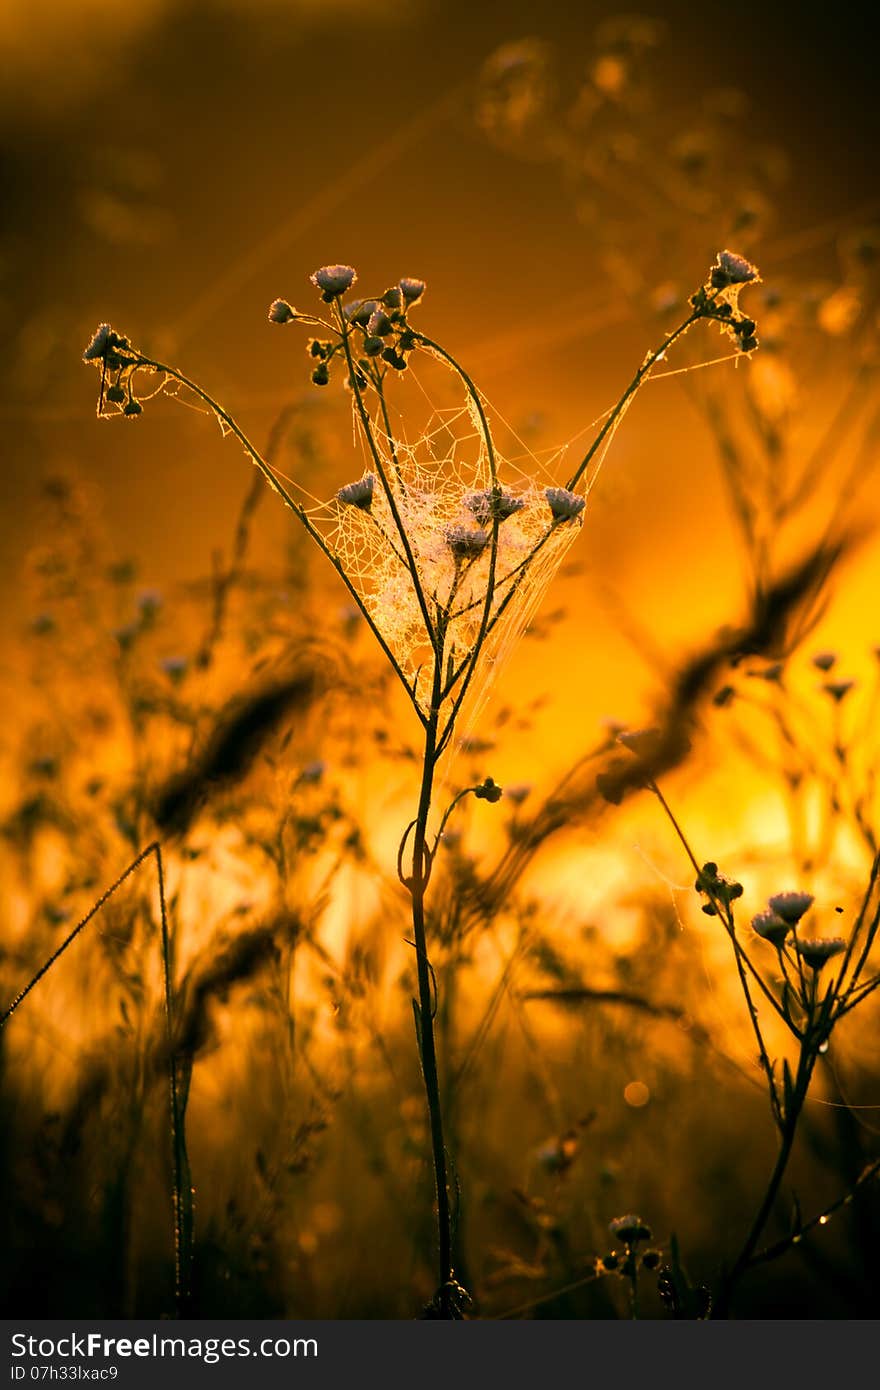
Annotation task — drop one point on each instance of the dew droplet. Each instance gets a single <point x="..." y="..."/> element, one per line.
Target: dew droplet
<point x="823" y="1047"/>
<point x="823" y="1220"/>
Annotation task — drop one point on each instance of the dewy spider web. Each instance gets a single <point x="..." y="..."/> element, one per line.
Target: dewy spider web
<point x="441" y="487"/>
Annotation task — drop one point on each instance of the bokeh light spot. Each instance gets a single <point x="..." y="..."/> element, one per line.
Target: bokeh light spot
<point x="636" y="1094"/>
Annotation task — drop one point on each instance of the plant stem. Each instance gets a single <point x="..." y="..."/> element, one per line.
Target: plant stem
<point x="792" y="1114"/>
<point x="417" y="884"/>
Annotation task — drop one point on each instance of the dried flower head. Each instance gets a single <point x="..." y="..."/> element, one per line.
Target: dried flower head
<point x="465" y="544"/>
<point x="771" y="927"/>
<point x="564" y="505"/>
<point x="379" y="324"/>
<point x="790" y="906"/>
<point x="487" y="505"/>
<point x="411" y="290"/>
<point x="717" y="887"/>
<point x="358" y="494"/>
<point x="281" y="312"/>
<point x="393" y="298"/>
<point x="819" y="951"/>
<point x="333" y="280"/>
<point x="630" y="1229"/>
<point x="362" y="312"/>
<point x="103" y="341"/>
<point x="731" y="269"/>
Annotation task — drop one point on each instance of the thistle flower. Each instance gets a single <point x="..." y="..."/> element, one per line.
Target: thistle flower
<point x="358" y="494"/>
<point x="102" y="341"/>
<point x="393" y="298"/>
<point x="379" y="324"/>
<point x="790" y="906"/>
<point x="333" y="280"/>
<point x="819" y="951"/>
<point x="486" y="506"/>
<point x="630" y="1229"/>
<point x="564" y="505"/>
<point x="771" y="927"/>
<point x="411" y="290"/>
<point x="731" y="269"/>
<point x="360" y="313"/>
<point x="465" y="544"/>
<point x="281" y="312"/>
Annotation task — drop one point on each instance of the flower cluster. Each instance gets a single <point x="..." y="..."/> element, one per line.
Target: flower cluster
<point x="118" y="361"/>
<point x="720" y="890"/>
<point x="718" y="298"/>
<point x="385" y="338"/>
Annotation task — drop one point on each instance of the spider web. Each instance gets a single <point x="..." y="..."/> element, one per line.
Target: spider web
<point x="438" y="496"/>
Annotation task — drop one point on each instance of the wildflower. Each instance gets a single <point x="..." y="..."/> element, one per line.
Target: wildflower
<point x="790" y="906"/>
<point x="115" y="395"/>
<point x="411" y="290"/>
<point x="718" y="887"/>
<point x="358" y="494"/>
<point x="838" y="689"/>
<point x="379" y="324"/>
<point x="731" y="269"/>
<point x="103" y="340"/>
<point x="133" y="408"/>
<point x="361" y="313"/>
<point x="488" y="505"/>
<point x="394" y="359"/>
<point x="771" y="927"/>
<point x="333" y="280"/>
<point x="393" y="298"/>
<point x="488" y="790"/>
<point x="610" y="1261"/>
<point x="564" y="505"/>
<point x="651" y="1259"/>
<point x="281" y="312"/>
<point x="630" y="1229"/>
<point x="465" y="544"/>
<point x="321" y="374"/>
<point x="817" y="952"/>
<point x="373" y="346"/>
